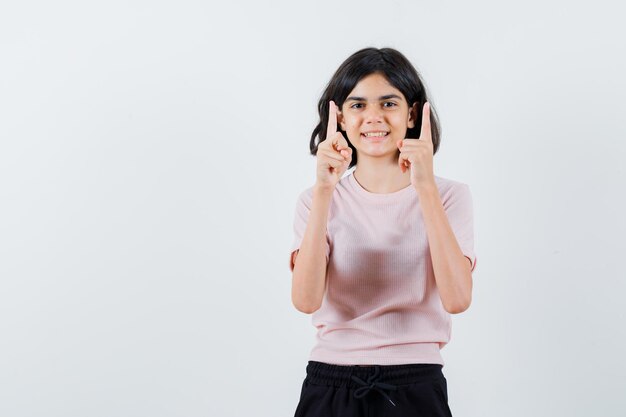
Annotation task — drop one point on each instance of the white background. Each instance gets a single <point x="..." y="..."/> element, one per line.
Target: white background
<point x="152" y="153"/>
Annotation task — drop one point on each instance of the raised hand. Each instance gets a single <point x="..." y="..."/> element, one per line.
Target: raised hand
<point x="417" y="154"/>
<point x="333" y="154"/>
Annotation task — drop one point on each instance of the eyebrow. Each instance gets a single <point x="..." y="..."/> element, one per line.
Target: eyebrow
<point x="387" y="97"/>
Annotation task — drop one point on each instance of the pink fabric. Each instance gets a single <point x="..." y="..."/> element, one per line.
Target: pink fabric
<point x="382" y="305"/>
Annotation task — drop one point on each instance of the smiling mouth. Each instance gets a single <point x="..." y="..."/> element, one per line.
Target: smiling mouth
<point x="376" y="137"/>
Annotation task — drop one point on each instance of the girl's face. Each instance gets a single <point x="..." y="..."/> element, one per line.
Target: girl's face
<point x="375" y="107"/>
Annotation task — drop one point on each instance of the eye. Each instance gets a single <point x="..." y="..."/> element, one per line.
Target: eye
<point x="356" y="104"/>
<point x="390" y="102"/>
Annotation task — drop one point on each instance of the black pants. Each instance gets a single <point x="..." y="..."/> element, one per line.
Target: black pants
<point x="415" y="390"/>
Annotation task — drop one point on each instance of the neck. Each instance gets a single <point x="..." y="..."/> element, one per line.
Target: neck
<point x="381" y="176"/>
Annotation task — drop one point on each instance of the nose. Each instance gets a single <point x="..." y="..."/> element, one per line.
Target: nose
<point x="373" y="114"/>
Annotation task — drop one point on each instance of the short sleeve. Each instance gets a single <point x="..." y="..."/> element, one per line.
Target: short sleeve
<point x="301" y="216"/>
<point x="459" y="208"/>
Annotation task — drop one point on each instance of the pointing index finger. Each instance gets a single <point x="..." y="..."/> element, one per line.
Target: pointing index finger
<point x="332" y="119"/>
<point x="425" y="131"/>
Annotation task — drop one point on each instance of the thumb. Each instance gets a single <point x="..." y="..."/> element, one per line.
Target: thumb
<point x="399" y="143"/>
<point x="342" y="143"/>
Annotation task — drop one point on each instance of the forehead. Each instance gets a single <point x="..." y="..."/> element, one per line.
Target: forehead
<point x="374" y="86"/>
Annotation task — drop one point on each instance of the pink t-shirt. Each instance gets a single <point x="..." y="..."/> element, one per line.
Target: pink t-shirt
<point x="381" y="304"/>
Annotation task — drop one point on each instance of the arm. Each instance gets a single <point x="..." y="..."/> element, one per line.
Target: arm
<point x="309" y="273"/>
<point x="451" y="267"/>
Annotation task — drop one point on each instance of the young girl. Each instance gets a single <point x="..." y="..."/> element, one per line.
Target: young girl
<point x="382" y="256"/>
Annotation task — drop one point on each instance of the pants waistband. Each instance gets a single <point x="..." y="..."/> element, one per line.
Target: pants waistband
<point x="322" y="373"/>
<point x="382" y="378"/>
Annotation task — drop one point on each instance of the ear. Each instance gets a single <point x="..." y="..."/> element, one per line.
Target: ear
<point x="412" y="116"/>
<point x="342" y="123"/>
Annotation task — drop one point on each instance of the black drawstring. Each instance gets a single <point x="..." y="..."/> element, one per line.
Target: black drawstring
<point x="373" y="383"/>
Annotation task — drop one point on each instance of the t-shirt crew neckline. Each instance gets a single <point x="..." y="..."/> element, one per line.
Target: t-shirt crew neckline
<point x="379" y="197"/>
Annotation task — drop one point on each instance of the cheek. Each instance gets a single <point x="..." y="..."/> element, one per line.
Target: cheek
<point x="351" y="126"/>
<point x="401" y="123"/>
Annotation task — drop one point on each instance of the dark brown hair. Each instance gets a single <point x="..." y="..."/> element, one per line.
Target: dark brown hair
<point x="398" y="71"/>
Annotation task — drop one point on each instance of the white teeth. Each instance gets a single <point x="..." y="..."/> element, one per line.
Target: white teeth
<point x="378" y="134"/>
